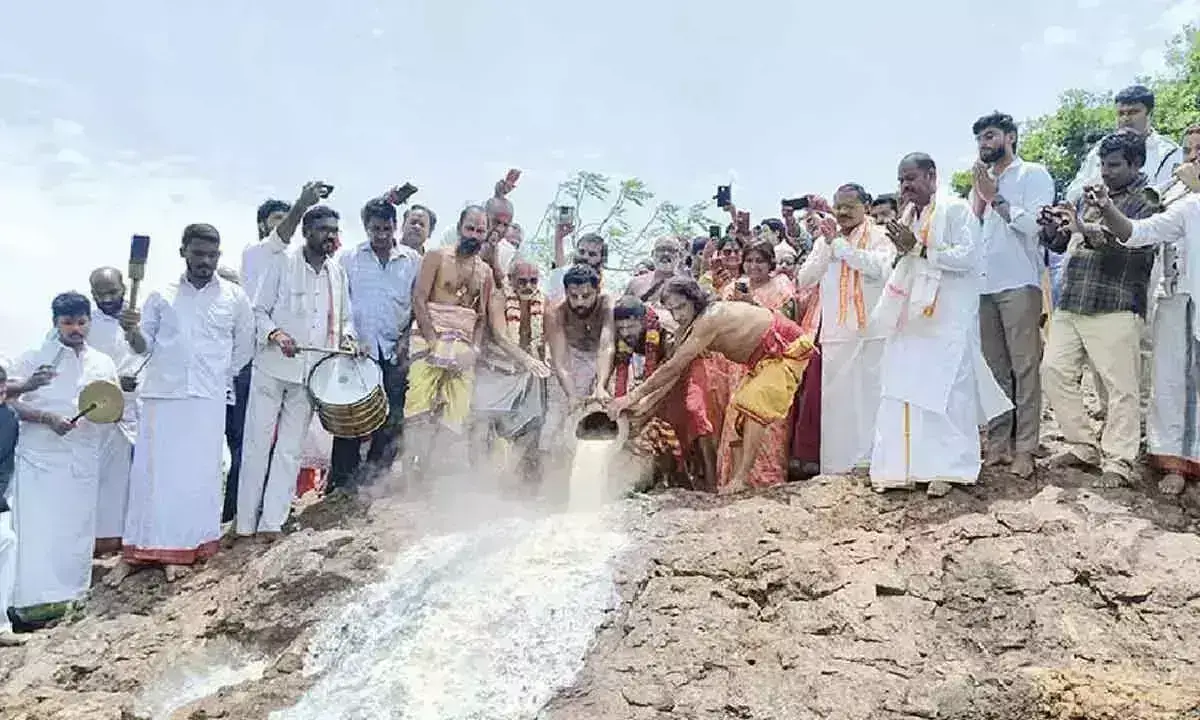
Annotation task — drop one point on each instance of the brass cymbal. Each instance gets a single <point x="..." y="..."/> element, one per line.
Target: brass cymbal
<point x="101" y="401"/>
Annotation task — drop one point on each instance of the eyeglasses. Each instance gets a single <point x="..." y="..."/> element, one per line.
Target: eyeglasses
<point x="527" y="281"/>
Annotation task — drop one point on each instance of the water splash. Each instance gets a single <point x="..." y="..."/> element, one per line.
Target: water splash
<point x="484" y="625"/>
<point x="200" y="674"/>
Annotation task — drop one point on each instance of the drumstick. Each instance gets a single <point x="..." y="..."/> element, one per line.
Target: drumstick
<point x="329" y="351"/>
<point x="90" y="408"/>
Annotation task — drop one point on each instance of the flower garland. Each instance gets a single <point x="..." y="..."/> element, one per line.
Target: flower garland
<point x="652" y="354"/>
<point x="512" y="317"/>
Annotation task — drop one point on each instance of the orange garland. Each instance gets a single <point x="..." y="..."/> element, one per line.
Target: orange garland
<point x="923" y="236"/>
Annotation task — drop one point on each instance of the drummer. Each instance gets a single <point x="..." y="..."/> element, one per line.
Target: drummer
<point x="57" y="468"/>
<point x="301" y="301"/>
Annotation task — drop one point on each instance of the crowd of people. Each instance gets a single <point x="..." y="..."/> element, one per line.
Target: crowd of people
<point x="904" y="337"/>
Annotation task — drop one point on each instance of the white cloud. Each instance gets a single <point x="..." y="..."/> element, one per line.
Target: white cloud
<point x="66" y="128"/>
<point x="78" y="207"/>
<point x="1119" y="52"/>
<point x="1056" y="35"/>
<point x="1179" y="13"/>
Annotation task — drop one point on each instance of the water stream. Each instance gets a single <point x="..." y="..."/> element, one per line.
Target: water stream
<point x="479" y="625"/>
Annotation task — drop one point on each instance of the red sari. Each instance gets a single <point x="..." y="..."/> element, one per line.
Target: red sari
<point x="805" y="422"/>
<point x="770" y="464"/>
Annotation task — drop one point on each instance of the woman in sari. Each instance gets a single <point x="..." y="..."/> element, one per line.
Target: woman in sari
<point x="761" y="286"/>
<point x="726" y="266"/>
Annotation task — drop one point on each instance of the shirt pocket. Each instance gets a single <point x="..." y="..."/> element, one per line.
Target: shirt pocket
<point x="219" y="321"/>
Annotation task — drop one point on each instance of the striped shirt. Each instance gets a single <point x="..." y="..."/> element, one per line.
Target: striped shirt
<point x="381" y="297"/>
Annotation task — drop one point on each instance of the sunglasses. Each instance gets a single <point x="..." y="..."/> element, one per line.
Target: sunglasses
<point x="527" y="281"/>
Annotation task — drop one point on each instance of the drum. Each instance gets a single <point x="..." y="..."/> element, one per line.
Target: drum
<point x="347" y="392"/>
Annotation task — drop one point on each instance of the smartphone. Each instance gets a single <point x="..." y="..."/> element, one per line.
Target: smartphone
<point x="800" y="203"/>
<point x="139" y="248"/>
<point x="566" y="215"/>
<point x="403" y="193"/>
<point x="714" y="232"/>
<point x="512" y="177"/>
<point x="742" y="222"/>
<point x="742" y="286"/>
<point x="325" y="191"/>
<point x="724" y="196"/>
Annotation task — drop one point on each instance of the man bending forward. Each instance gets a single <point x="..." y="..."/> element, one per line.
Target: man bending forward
<point x="772" y="348"/>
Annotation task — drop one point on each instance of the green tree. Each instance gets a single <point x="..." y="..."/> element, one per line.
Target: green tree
<point x="614" y="208"/>
<point x="1060" y="140"/>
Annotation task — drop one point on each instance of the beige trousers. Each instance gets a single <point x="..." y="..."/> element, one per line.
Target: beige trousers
<point x="1110" y="343"/>
<point x="1010" y="331"/>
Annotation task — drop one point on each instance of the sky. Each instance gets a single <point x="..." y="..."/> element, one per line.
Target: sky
<point x="141" y="116"/>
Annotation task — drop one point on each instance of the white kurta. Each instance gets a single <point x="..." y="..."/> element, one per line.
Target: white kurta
<point x="198" y="338"/>
<point x="116" y="448"/>
<point x="850" y="381"/>
<point x="1172" y="422"/>
<point x="936" y="387"/>
<point x="57" y="480"/>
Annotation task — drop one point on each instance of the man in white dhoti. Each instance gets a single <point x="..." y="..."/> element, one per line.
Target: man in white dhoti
<point x="301" y="301"/>
<point x="57" y="468"/>
<point x="198" y="332"/>
<point x="9" y="432"/>
<point x="936" y="387"/>
<point x="850" y="260"/>
<point x="1173" y="424"/>
<point x="116" y="450"/>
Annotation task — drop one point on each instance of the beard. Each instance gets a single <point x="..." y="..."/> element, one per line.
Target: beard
<point x="991" y="156"/>
<point x="111" y="308"/>
<point x="583" y="310"/>
<point x="469" y="246"/>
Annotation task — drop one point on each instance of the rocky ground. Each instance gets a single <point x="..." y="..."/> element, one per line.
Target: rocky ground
<point x="1014" y="600"/>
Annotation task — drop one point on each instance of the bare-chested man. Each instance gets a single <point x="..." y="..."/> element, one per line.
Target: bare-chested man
<point x="773" y="349"/>
<point x="580" y="334"/>
<point x="450" y="301"/>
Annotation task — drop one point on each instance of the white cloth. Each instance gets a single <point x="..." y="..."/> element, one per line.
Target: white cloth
<point x="933" y="373"/>
<point x="850" y="381"/>
<point x="256" y="258"/>
<point x="1173" y="420"/>
<point x="1179" y="225"/>
<point x="506" y="253"/>
<point x="1012" y="254"/>
<point x="116" y="453"/>
<point x="197" y="338"/>
<point x="57" y="480"/>
<point x="264" y="500"/>
<point x="310" y="306"/>
<point x="175" y="492"/>
<point x="8" y="568"/>
<point x="1163" y="155"/>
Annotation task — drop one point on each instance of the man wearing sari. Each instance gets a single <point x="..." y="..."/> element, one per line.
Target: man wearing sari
<point x="848" y="265"/>
<point x="762" y="287"/>
<point x="772" y="350"/>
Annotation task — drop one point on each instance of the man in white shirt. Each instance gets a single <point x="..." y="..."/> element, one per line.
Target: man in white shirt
<point x="116" y="456"/>
<point x="301" y="300"/>
<point x="57" y="467"/>
<point x="849" y="262"/>
<point x="198" y="331"/>
<point x="1007" y="195"/>
<point x="277" y="222"/>
<point x="380" y="274"/>
<point x="935" y="385"/>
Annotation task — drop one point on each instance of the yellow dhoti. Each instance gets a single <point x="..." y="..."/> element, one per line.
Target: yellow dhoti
<point x="440" y="377"/>
<point x="776" y="369"/>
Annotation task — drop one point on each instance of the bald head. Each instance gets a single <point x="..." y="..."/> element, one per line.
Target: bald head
<point x="108" y="290"/>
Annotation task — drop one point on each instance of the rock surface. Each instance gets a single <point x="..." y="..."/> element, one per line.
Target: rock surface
<point x="1014" y="600"/>
<point x="825" y="600"/>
